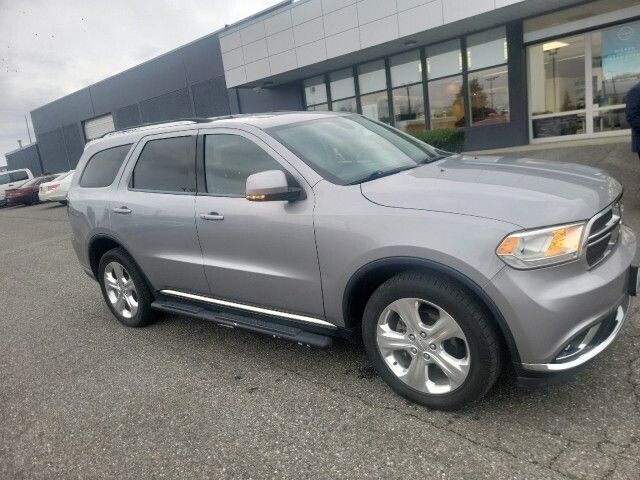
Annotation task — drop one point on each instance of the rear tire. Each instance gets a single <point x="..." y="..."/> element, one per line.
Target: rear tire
<point x="441" y="350"/>
<point x="124" y="289"/>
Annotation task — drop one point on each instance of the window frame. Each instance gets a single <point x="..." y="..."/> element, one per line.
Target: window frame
<point x="201" y="179"/>
<point x="426" y="79"/>
<point x="132" y="147"/>
<point x="138" y="153"/>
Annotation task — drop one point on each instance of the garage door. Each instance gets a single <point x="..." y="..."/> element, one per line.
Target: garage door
<point x="97" y="127"/>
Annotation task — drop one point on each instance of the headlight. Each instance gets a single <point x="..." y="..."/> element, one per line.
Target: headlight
<point x="543" y="247"/>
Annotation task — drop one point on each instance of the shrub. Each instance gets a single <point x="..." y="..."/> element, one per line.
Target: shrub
<point x="449" y="139"/>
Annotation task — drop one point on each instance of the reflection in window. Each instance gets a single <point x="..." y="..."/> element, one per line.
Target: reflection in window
<point x="487" y="49"/>
<point x="489" y="96"/>
<point x="318" y="108"/>
<point x="376" y="106"/>
<point x="347" y="105"/>
<point x="315" y="91"/>
<point x="406" y="69"/>
<point x="608" y="120"/>
<point x="556" y="75"/>
<point x="616" y="63"/>
<point x="573" y="124"/>
<point x="446" y="102"/>
<point x="341" y="84"/>
<point x="372" y="77"/>
<point x="408" y="108"/>
<point x="444" y="59"/>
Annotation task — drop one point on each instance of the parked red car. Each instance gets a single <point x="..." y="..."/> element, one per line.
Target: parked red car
<point x="27" y="194"/>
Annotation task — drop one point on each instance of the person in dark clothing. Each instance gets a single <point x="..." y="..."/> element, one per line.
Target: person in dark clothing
<point x="633" y="117"/>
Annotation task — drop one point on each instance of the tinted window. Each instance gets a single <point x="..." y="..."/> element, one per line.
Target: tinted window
<point x="166" y="165"/>
<point x="4" y="178"/>
<point x="229" y="160"/>
<point x="102" y="168"/>
<point x="19" y="176"/>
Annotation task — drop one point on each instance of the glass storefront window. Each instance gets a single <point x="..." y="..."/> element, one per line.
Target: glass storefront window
<point x="406" y="69"/>
<point x="573" y="124"/>
<point x="489" y="96"/>
<point x="556" y="76"/>
<point x="324" y="107"/>
<point x="616" y="63"/>
<point x="315" y="91"/>
<point x="487" y="49"/>
<point x="376" y="106"/>
<point x="408" y="108"/>
<point x="446" y="102"/>
<point x="608" y="120"/>
<point x="444" y="59"/>
<point x="341" y="84"/>
<point x="348" y="105"/>
<point x="372" y="77"/>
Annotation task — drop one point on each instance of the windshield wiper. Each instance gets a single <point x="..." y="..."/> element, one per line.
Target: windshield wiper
<point x="380" y="174"/>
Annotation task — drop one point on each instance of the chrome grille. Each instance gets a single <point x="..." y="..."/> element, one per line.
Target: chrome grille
<point x="604" y="230"/>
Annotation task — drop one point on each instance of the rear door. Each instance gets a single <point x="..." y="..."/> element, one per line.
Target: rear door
<point x="255" y="253"/>
<point x="153" y="212"/>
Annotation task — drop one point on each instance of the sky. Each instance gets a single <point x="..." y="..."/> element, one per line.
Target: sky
<point x="50" y="48"/>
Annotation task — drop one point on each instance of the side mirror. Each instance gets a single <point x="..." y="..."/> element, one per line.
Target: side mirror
<point x="271" y="186"/>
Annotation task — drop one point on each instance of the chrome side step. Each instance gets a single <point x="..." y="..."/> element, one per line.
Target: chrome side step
<point x="245" y="322"/>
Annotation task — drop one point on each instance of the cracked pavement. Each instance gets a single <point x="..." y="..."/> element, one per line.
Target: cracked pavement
<point x="83" y="397"/>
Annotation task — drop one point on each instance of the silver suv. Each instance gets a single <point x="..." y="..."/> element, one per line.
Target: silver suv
<point x="308" y="226"/>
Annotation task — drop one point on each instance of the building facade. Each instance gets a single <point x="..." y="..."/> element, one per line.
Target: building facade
<point x="510" y="72"/>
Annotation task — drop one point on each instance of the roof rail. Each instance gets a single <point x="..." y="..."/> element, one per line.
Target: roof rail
<point x="167" y="122"/>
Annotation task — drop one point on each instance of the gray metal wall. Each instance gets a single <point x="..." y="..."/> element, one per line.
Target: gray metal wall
<point x="27" y="157"/>
<point x="183" y="83"/>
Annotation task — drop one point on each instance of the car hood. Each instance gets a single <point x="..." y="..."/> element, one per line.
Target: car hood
<point x="525" y="192"/>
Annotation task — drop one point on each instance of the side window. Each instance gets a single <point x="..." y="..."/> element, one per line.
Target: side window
<point x="4" y="178"/>
<point x="229" y="160"/>
<point x="166" y="165"/>
<point x="102" y="168"/>
<point x="19" y="176"/>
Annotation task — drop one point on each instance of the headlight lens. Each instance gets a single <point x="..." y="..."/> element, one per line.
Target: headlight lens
<point x="542" y="247"/>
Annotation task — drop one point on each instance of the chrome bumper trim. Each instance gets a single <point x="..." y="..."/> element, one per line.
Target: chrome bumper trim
<point x="621" y="315"/>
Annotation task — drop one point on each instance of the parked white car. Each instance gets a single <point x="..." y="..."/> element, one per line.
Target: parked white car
<point x="57" y="189"/>
<point x="13" y="179"/>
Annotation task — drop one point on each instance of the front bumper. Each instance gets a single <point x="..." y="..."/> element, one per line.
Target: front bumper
<point x="555" y="314"/>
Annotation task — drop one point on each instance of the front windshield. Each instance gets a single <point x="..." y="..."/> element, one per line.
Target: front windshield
<point x="352" y="149"/>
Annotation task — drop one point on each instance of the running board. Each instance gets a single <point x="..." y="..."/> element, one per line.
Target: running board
<point x="250" y="323"/>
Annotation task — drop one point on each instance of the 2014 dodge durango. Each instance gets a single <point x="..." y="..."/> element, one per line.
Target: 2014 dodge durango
<point x="308" y="226"/>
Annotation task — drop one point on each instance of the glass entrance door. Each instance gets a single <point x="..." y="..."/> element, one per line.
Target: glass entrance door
<point x="578" y="84"/>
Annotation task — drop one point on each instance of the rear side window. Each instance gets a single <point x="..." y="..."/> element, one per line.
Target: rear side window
<point x="19" y="176"/>
<point x="229" y="160"/>
<point x="102" y="168"/>
<point x="166" y="165"/>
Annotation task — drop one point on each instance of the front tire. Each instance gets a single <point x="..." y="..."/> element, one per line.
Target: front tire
<point x="431" y="340"/>
<point x="124" y="289"/>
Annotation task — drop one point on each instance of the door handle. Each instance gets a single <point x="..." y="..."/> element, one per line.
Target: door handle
<point x="122" y="210"/>
<point x="212" y="216"/>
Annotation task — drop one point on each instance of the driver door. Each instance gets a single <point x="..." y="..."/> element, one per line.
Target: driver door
<point x="255" y="253"/>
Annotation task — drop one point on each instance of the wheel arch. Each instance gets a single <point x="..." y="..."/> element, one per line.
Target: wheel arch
<point x="369" y="277"/>
<point x="101" y="244"/>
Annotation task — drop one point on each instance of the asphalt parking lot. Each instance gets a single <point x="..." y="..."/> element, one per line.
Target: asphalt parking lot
<point x="82" y="396"/>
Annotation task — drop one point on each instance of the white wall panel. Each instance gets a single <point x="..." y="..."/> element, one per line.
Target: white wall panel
<point x="419" y="19"/>
<point x="310" y="31"/>
<point x="341" y="20"/>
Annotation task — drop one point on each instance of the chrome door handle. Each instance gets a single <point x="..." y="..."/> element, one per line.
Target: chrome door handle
<point x="213" y="216"/>
<point x="122" y="210"/>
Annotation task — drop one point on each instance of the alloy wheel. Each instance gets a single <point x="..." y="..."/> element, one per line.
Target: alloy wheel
<point x="423" y="346"/>
<point x="121" y="291"/>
